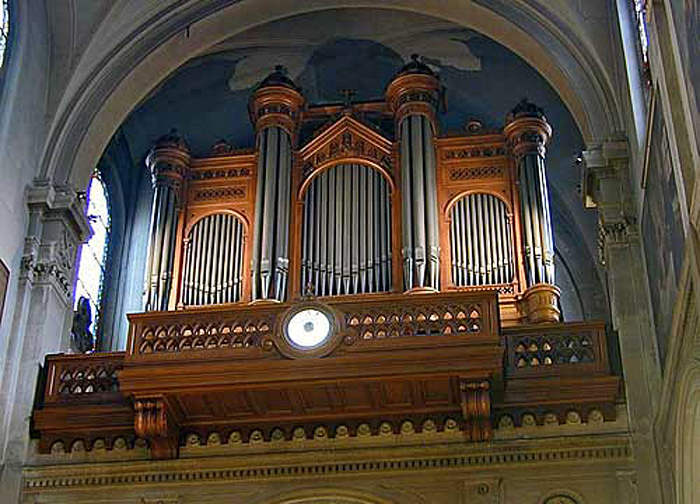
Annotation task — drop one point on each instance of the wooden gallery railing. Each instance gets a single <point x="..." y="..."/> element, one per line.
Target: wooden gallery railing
<point x="230" y="370"/>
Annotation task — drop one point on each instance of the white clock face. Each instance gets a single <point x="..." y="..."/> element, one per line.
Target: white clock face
<point x="308" y="328"/>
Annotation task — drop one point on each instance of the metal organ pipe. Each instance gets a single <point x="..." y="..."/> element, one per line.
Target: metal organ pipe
<point x="216" y="260"/>
<point x="270" y="261"/>
<point x="528" y="133"/>
<point x="482" y="252"/>
<point x="347" y="225"/>
<point x="168" y="162"/>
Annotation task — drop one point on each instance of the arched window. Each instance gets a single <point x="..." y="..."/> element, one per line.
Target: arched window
<point x="4" y="30"/>
<point x="640" y="11"/>
<point x="93" y="254"/>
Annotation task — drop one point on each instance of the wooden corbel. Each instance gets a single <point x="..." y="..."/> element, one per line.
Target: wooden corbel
<point x="476" y="409"/>
<point x="156" y="422"/>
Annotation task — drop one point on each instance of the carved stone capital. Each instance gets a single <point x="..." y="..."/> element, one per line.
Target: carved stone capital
<point x="156" y="422"/>
<point x="603" y="168"/>
<point x="57" y="226"/>
<point x="476" y="409"/>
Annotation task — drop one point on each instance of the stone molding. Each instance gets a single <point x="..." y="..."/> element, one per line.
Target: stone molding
<point x="316" y="465"/>
<point x="57" y="226"/>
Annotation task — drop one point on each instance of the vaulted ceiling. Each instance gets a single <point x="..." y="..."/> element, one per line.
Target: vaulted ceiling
<point x="151" y="65"/>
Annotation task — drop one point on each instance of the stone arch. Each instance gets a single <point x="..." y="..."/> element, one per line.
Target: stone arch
<point x="143" y="44"/>
<point x="561" y="497"/>
<point x="687" y="437"/>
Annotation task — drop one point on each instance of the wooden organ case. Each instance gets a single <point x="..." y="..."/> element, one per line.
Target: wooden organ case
<point x="427" y="261"/>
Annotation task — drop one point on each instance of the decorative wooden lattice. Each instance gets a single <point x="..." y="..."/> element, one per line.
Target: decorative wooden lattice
<point x="235" y="333"/>
<point x="78" y="379"/>
<point x="408" y="322"/>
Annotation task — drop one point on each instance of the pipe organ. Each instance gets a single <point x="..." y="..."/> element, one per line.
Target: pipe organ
<point x="334" y="202"/>
<point x="326" y="243"/>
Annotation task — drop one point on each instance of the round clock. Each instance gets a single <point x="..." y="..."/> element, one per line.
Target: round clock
<point x="309" y="328"/>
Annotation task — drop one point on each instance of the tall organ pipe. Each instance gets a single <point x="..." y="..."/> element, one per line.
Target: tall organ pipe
<point x="274" y="110"/>
<point x="528" y="133"/>
<point x="271" y="239"/>
<point x="413" y="96"/>
<point x="168" y="162"/>
<point x="354" y="252"/>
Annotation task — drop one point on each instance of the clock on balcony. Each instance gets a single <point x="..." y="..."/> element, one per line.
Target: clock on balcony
<point x="309" y="329"/>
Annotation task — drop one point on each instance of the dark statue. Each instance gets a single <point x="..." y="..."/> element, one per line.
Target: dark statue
<point x="83" y="339"/>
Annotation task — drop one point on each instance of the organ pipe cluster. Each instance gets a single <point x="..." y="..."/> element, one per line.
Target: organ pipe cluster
<point x="481" y="241"/>
<point x="168" y="162"/>
<point x="528" y="133"/>
<point x="413" y="95"/>
<point x="346" y="245"/>
<point x="213" y="267"/>
<point x="275" y="108"/>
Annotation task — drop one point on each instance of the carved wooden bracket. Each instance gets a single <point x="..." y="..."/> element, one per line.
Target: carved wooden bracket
<point x="476" y="409"/>
<point x="156" y="422"/>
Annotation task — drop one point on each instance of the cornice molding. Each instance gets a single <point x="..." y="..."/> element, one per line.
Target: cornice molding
<point x="434" y="458"/>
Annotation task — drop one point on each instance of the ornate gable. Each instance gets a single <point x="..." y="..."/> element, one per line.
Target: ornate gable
<point x="346" y="139"/>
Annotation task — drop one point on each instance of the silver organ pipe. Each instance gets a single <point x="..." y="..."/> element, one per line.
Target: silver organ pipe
<point x="346" y="231"/>
<point x="270" y="261"/>
<point x="168" y="162"/>
<point x="481" y="243"/>
<point x="214" y="264"/>
<point x="421" y="251"/>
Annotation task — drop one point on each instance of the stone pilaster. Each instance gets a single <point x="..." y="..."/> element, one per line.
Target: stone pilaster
<point x="607" y="187"/>
<point x="42" y="315"/>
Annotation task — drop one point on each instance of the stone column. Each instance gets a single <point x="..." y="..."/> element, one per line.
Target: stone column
<point x="607" y="187"/>
<point x="169" y="162"/>
<point x="41" y="318"/>
<point x="275" y="111"/>
<point x="528" y="132"/>
<point x="413" y="96"/>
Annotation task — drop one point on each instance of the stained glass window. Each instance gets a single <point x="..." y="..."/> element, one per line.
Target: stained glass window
<point x="640" y="12"/>
<point x="4" y="30"/>
<point x="93" y="254"/>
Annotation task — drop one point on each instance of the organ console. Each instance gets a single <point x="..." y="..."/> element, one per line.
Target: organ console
<point x="356" y="268"/>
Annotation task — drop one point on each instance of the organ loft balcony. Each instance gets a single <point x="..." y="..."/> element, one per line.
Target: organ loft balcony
<point x="353" y="272"/>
